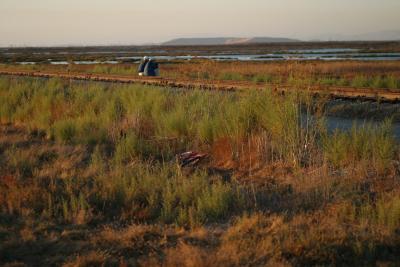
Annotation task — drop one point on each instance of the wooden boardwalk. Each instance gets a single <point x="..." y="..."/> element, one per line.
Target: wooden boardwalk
<point x="374" y="94"/>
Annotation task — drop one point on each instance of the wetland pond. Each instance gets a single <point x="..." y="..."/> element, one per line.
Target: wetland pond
<point x="325" y="54"/>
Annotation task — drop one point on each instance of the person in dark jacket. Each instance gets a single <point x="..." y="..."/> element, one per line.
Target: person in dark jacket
<point x="151" y="68"/>
<point x="142" y="65"/>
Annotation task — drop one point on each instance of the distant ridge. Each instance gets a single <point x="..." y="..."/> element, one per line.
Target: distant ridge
<point x="227" y="41"/>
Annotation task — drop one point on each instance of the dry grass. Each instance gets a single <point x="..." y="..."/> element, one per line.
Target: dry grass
<point x="272" y="193"/>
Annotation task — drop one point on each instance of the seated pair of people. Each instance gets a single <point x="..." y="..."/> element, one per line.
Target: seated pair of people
<point x="148" y="67"/>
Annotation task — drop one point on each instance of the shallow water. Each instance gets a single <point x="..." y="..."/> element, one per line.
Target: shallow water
<point x="26" y="63"/>
<point x="59" y="62"/>
<point x="325" y="54"/>
<point x="323" y="50"/>
<point x="81" y="62"/>
<point x="276" y="56"/>
<point x="345" y="124"/>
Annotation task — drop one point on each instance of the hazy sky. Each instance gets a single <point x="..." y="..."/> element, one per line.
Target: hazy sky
<point x="86" y="22"/>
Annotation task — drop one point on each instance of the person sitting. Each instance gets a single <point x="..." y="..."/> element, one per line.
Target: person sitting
<point x="142" y="65"/>
<point x="151" y="68"/>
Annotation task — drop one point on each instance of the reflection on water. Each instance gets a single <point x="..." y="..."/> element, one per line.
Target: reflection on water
<point x="346" y="124"/>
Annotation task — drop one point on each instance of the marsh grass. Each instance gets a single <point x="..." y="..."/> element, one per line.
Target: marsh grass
<point x="377" y="74"/>
<point x="131" y="123"/>
<point x="110" y="69"/>
<point x="162" y="193"/>
<point x="372" y="145"/>
<point x="274" y="177"/>
<point x="135" y="119"/>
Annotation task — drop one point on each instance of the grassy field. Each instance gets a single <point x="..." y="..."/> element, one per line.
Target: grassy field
<point x="349" y="73"/>
<point x="89" y="176"/>
<point x="341" y="73"/>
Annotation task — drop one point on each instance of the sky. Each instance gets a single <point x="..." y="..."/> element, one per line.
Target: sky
<point x="125" y="22"/>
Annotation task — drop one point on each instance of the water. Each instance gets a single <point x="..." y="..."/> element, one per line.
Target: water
<point x="26" y="63"/>
<point x="84" y="62"/>
<point x="346" y="124"/>
<point x="324" y="54"/>
<point x="278" y="56"/>
<point x="265" y="57"/>
<point x="323" y="50"/>
<point x="110" y="62"/>
<point x="59" y="62"/>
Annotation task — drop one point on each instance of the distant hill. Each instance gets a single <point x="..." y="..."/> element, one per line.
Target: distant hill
<point x="227" y="41"/>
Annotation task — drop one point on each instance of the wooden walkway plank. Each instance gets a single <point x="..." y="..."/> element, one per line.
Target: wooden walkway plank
<point x="374" y="94"/>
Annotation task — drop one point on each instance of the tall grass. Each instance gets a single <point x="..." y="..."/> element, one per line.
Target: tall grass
<point x="384" y="212"/>
<point x="159" y="123"/>
<point x="120" y="69"/>
<point x="350" y="73"/>
<point x="276" y="184"/>
<point x="139" y="192"/>
<point x="99" y="114"/>
<point x="375" y="146"/>
<point x="135" y="133"/>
